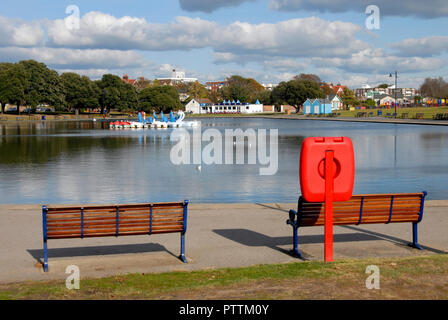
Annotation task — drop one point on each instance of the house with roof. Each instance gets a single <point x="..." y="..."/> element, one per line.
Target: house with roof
<point x="338" y="89"/>
<point x="234" y="107"/>
<point x="336" y="102"/>
<point x="197" y="105"/>
<point x="317" y="106"/>
<point x="389" y="100"/>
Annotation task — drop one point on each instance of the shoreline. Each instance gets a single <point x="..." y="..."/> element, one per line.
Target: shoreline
<point x="199" y="206"/>
<point x="85" y="118"/>
<point x="341" y="119"/>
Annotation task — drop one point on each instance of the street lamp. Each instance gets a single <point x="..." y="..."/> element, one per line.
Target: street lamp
<point x="395" y="91"/>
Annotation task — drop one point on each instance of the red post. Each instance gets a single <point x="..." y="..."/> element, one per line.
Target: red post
<point x="329" y="190"/>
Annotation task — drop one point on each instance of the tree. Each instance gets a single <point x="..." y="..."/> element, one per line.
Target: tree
<point x="80" y="91"/>
<point x="311" y="77"/>
<point x="383" y="86"/>
<point x="4" y="84"/>
<point x="243" y="89"/>
<point x="194" y="90"/>
<point x="43" y="85"/>
<point x="116" y="94"/>
<point x="295" y="92"/>
<point x="349" y="98"/>
<point x="434" y="88"/>
<point x="159" y="98"/>
<point x="370" y="102"/>
<point x="327" y="89"/>
<point x="13" y="82"/>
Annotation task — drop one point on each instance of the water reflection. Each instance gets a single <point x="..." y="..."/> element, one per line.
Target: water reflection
<point x="85" y="162"/>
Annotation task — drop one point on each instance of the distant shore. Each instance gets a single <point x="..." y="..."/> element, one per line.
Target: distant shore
<point x="7" y="118"/>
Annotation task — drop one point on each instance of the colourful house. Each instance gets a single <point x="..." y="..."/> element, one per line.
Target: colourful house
<point x="317" y="106"/>
<point x="336" y="102"/>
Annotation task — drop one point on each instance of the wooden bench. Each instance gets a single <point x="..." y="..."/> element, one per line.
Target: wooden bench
<point x="362" y="209"/>
<point x="114" y="221"/>
<point x="420" y="116"/>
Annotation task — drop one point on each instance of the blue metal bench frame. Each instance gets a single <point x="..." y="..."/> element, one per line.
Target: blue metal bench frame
<point x="295" y="221"/>
<point x="182" y="236"/>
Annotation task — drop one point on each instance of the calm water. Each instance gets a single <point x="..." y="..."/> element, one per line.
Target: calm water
<point x="85" y="162"/>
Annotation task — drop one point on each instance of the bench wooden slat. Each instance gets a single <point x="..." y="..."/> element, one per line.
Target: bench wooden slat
<point x="362" y="209"/>
<point x="114" y="220"/>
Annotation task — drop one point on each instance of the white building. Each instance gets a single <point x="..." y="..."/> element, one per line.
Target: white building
<point x="196" y="105"/>
<point x="269" y="86"/>
<point x="177" y="78"/>
<point x="234" y="107"/>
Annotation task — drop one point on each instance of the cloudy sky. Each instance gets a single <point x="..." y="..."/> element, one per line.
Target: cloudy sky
<point x="270" y="40"/>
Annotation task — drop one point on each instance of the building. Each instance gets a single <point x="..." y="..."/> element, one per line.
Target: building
<point x="288" y="109"/>
<point x="338" y="89"/>
<point x="317" y="106"/>
<point x="336" y="102"/>
<point x="216" y="85"/>
<point x="388" y="100"/>
<point x="367" y="92"/>
<point x="268" y="108"/>
<point x="139" y="83"/>
<point x="269" y="86"/>
<point x="177" y="77"/>
<point x="234" y="107"/>
<point x="196" y="105"/>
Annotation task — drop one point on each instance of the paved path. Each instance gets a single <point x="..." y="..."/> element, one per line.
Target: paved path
<point x="228" y="235"/>
<point x="369" y="119"/>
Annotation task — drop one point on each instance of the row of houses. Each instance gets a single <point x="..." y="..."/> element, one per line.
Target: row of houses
<point x="367" y="92"/>
<point x="323" y="106"/>
<point x="203" y="106"/>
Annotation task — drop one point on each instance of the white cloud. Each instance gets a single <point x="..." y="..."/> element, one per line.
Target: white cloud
<point x="422" y="47"/>
<point x="100" y="30"/>
<point x="15" y="32"/>
<point x="74" y="58"/>
<point x="414" y="8"/>
<point x="297" y="37"/>
<point x="377" y="61"/>
<point x="209" y="5"/>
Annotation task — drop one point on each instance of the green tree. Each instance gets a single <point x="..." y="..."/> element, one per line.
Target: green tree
<point x="194" y="90"/>
<point x="349" y="99"/>
<point x="295" y="92"/>
<point x="243" y="89"/>
<point x="310" y="76"/>
<point x="159" y="98"/>
<point x="80" y="91"/>
<point x="43" y="85"/>
<point x="4" y="84"/>
<point x="13" y="82"/>
<point x="370" y="102"/>
<point x="116" y="94"/>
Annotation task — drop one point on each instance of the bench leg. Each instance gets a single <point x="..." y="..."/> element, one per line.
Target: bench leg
<point x="45" y="256"/>
<point x="414" y="243"/>
<point x="295" y="250"/>
<point x="295" y="238"/>
<point x="182" y="248"/>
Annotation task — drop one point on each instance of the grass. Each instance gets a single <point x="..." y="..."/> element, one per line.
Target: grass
<point x="423" y="277"/>
<point x="428" y="112"/>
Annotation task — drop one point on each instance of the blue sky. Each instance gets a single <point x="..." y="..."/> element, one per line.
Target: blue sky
<point x="269" y="40"/>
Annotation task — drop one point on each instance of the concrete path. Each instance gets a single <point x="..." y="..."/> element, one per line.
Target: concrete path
<point x="226" y="235"/>
<point x="368" y="119"/>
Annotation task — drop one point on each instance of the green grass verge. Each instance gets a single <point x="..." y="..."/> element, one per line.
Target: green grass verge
<point x="411" y="274"/>
<point x="428" y="113"/>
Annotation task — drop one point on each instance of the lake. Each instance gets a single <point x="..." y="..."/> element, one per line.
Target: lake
<point x="86" y="162"/>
